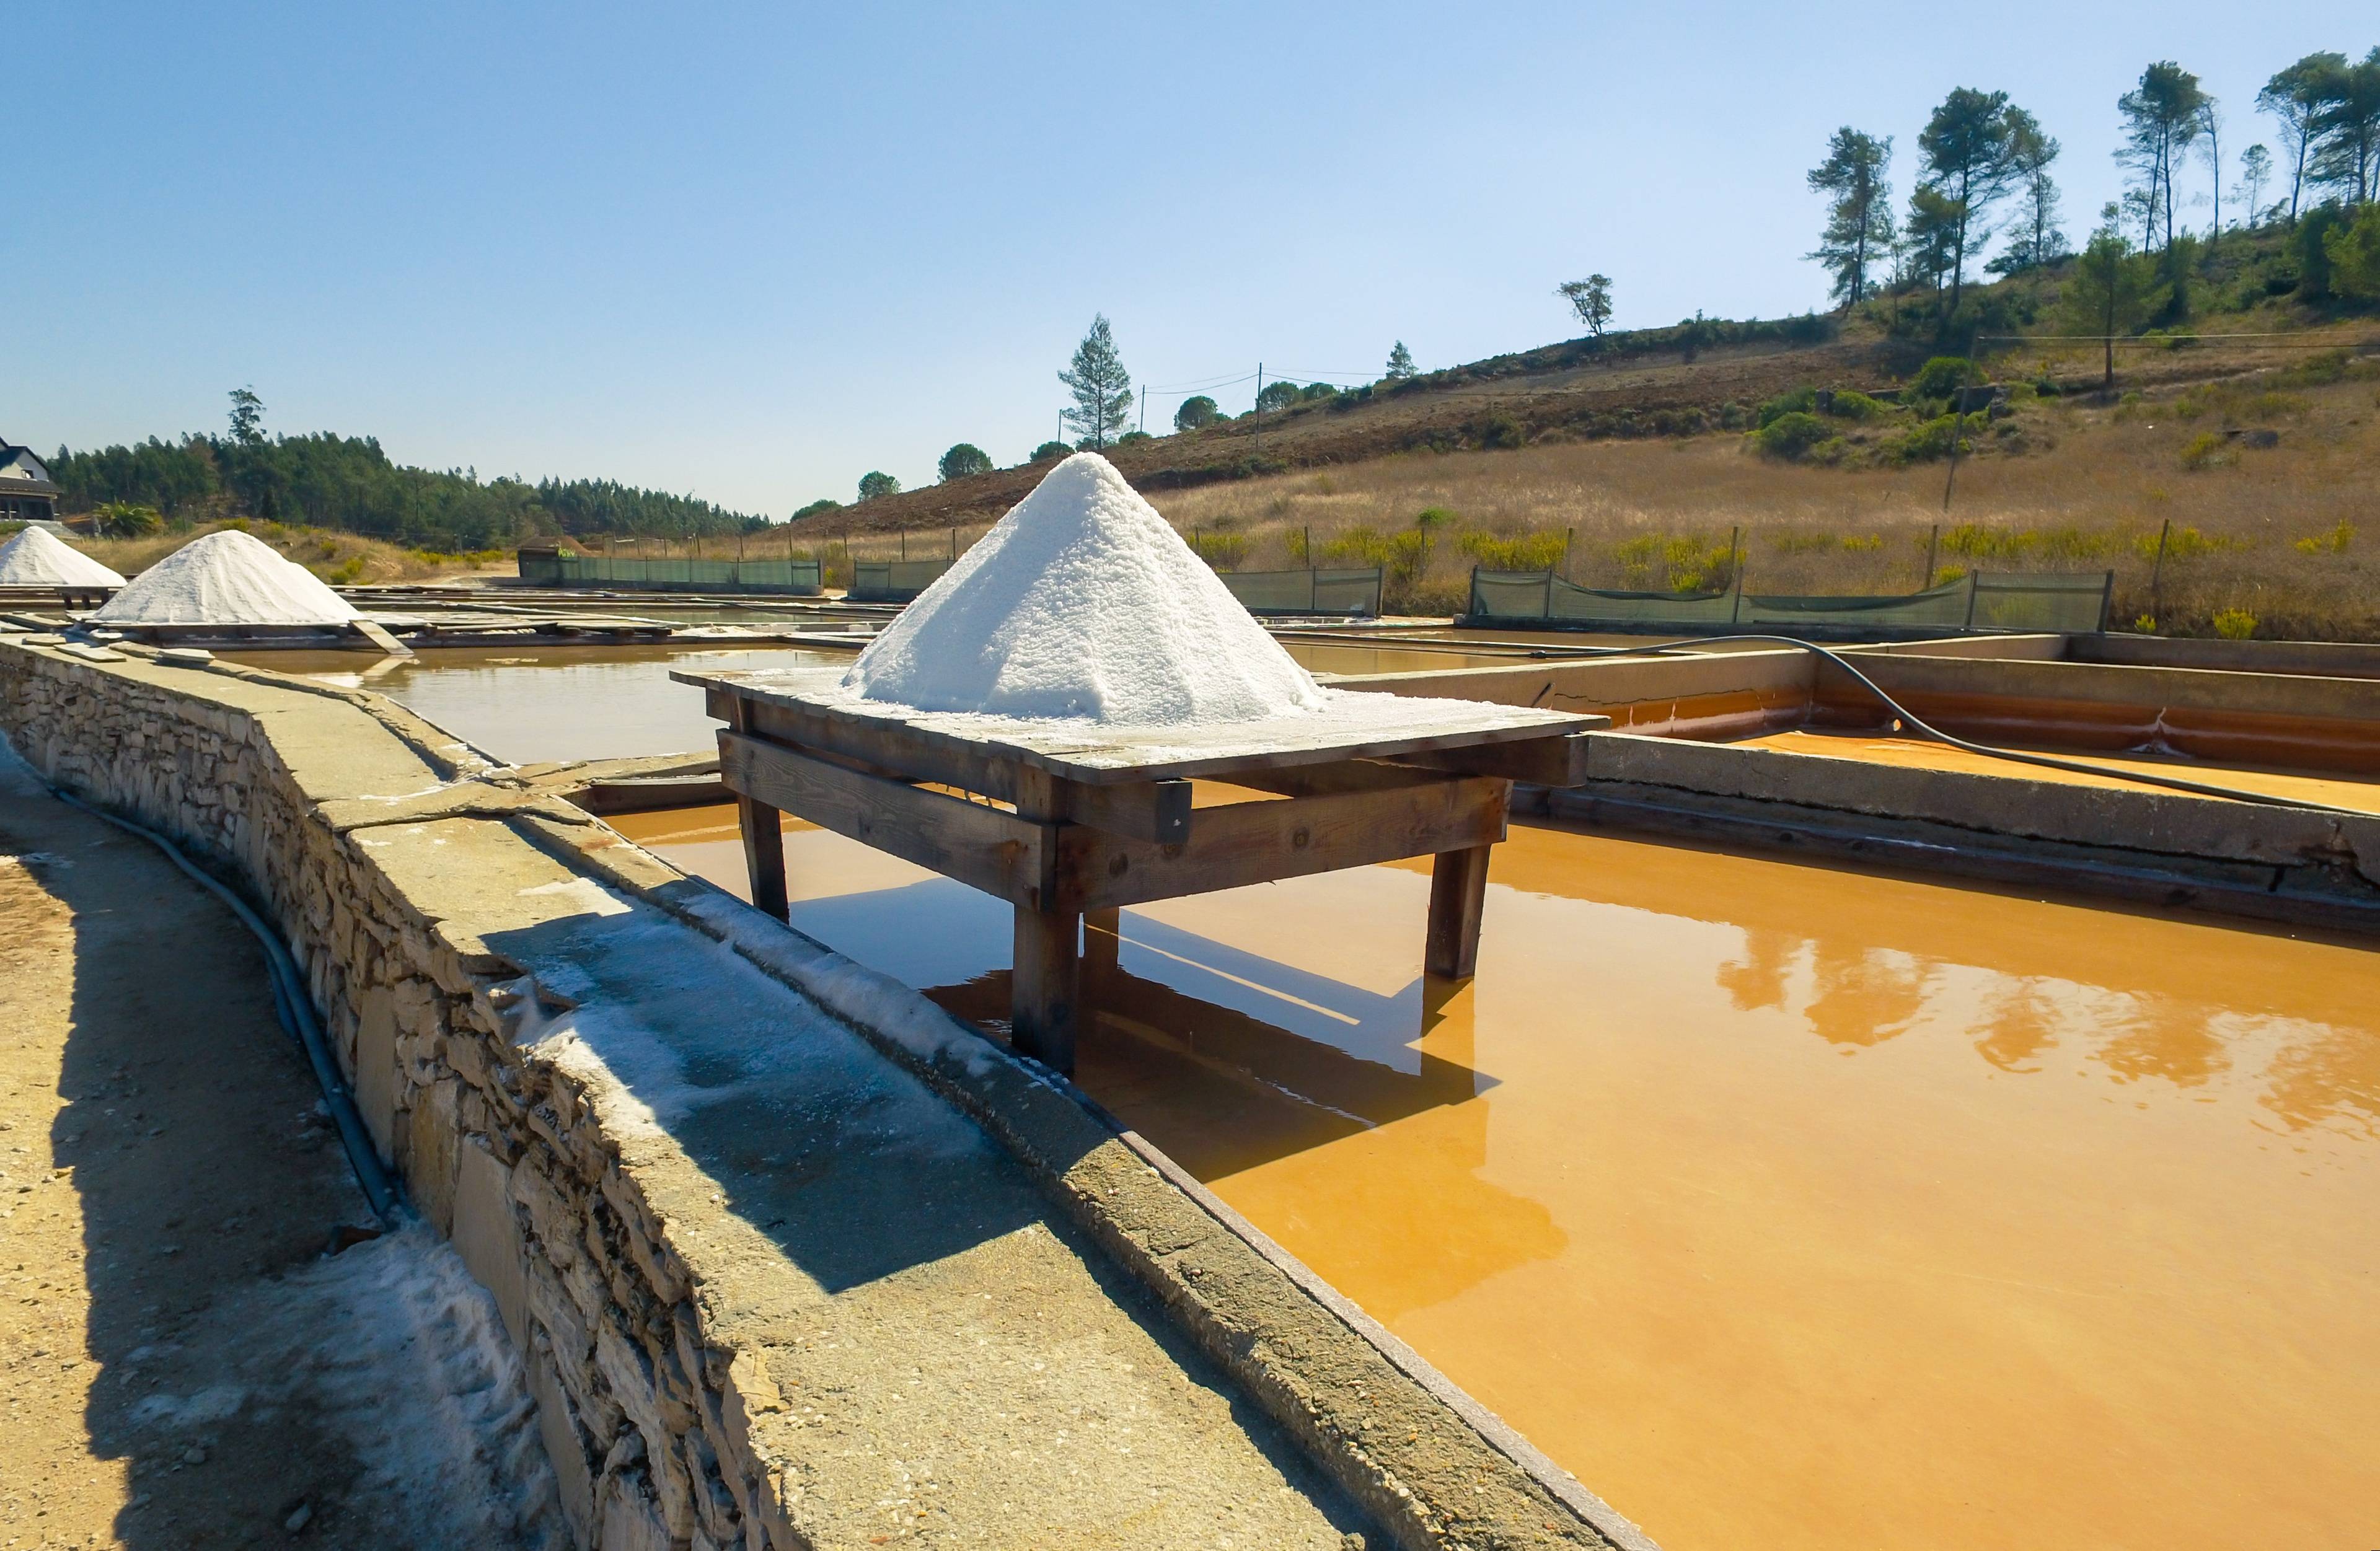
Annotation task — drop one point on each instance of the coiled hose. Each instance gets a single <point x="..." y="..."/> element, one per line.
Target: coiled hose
<point x="296" y="1009"/>
<point x="2046" y="761"/>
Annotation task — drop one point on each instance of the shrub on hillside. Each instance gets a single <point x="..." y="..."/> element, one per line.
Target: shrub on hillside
<point x="1800" y="401"/>
<point x="2207" y="450"/>
<point x="2235" y="625"/>
<point x="1792" y="436"/>
<point x="1938" y="377"/>
<point x="1924" y="444"/>
<point x="1529" y="551"/>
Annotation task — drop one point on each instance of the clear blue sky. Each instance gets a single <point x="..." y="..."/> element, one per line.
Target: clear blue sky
<point x="754" y="251"/>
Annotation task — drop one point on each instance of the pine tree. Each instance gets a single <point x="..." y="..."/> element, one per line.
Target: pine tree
<point x="1401" y="364"/>
<point x="2031" y="153"/>
<point x="1101" y="386"/>
<point x="2107" y="293"/>
<point x="1591" y="299"/>
<point x="2295" y="96"/>
<point x="2162" y="116"/>
<point x="1858" y="222"/>
<point x="1966" y="145"/>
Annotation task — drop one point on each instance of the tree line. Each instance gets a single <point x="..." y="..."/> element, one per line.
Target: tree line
<point x="328" y="481"/>
<point x="1984" y="170"/>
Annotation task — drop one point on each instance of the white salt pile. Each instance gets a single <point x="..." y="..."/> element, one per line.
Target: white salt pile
<point x="1083" y="602"/>
<point x="37" y="557"/>
<point x="226" y="578"/>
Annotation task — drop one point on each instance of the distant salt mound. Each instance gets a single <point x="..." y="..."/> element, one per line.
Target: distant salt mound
<point x="37" y="557"/>
<point x="226" y="578"/>
<point x="1083" y="602"/>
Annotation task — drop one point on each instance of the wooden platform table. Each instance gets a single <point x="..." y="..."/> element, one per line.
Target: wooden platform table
<point x="1060" y="819"/>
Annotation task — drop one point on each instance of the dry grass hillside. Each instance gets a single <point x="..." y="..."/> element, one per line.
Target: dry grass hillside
<point x="2288" y="533"/>
<point x="2261" y="455"/>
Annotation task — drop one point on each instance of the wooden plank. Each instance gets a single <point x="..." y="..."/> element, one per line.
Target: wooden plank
<point x="1458" y="898"/>
<point x="389" y="646"/>
<point x="763" y="831"/>
<point x="1258" y="841"/>
<point x="1557" y="761"/>
<point x="1151" y="810"/>
<point x="1323" y="781"/>
<point x="886" y="747"/>
<point x="985" y="848"/>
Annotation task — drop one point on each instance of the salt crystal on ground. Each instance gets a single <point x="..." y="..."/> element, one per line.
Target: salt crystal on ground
<point x="37" y="557"/>
<point x="227" y="577"/>
<point x="1084" y="603"/>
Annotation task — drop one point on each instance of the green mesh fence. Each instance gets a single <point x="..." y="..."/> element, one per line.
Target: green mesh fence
<point x="2045" y="601"/>
<point x="1322" y="591"/>
<point x="893" y="581"/>
<point x="550" y="568"/>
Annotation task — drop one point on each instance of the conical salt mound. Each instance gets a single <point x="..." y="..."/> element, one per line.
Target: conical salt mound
<point x="227" y="577"/>
<point x="1084" y="602"/>
<point x="37" y="557"/>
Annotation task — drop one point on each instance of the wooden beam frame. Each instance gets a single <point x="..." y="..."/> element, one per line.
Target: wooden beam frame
<point x="1262" y="842"/>
<point x="1076" y="846"/>
<point x="985" y="848"/>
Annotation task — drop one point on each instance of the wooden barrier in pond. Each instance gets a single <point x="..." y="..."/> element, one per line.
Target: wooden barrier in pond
<point x="1090" y="819"/>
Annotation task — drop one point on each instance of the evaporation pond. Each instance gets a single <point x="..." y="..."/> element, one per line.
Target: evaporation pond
<point x="1786" y="1207"/>
<point x="2312" y="786"/>
<point x="531" y="703"/>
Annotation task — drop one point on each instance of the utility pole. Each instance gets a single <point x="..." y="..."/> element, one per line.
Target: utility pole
<point x="1259" y="410"/>
<point x="1933" y="549"/>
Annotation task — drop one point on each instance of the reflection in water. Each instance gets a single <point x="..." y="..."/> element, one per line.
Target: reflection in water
<point x="1786" y="1208"/>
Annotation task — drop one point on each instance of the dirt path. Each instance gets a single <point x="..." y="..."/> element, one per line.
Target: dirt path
<point x="182" y="1364"/>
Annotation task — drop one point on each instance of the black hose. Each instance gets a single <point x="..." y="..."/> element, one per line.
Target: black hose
<point x="296" y="1009"/>
<point x="2046" y="761"/>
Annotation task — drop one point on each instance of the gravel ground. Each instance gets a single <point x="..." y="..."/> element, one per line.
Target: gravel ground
<point x="183" y="1364"/>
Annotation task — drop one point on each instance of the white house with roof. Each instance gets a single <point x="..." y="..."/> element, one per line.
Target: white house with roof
<point x="26" y="492"/>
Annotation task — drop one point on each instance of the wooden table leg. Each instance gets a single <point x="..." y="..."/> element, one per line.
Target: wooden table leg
<point x="1102" y="942"/>
<point x="1458" y="892"/>
<point x="764" y="835"/>
<point x="764" y="855"/>
<point x="1047" y="987"/>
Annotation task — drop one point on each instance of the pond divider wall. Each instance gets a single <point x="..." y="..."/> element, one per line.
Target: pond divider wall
<point x="702" y="1379"/>
<point x="1664" y="769"/>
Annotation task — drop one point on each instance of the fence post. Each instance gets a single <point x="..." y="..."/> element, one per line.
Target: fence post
<point x="1735" y="610"/>
<point x="2156" y="573"/>
<point x="1548" y="615"/>
<point x="2106" y="600"/>
<point x="1933" y="553"/>
<point x="1313" y="588"/>
<point x="1974" y="577"/>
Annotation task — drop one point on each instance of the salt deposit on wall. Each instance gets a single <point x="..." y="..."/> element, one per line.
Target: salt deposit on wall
<point x="226" y="578"/>
<point x="1083" y="601"/>
<point x="37" y="557"/>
